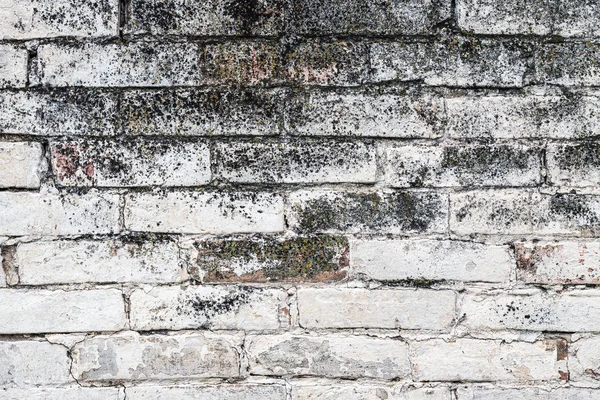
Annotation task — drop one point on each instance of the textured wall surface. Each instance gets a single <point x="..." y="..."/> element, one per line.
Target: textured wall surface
<point x="300" y="199"/>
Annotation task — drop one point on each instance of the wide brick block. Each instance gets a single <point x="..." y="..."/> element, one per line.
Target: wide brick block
<point x="214" y="17"/>
<point x="296" y="162"/>
<point x="213" y="307"/>
<point x="569" y="213"/>
<point x="394" y="260"/>
<point x="58" y="311"/>
<point x="59" y="112"/>
<point x="268" y="259"/>
<point x="569" y="64"/>
<point x="490" y="393"/>
<point x="508" y="117"/>
<point x="389" y="113"/>
<point x="574" y="164"/>
<point x="396" y="309"/>
<point x="52" y="214"/>
<point x="558" y="262"/>
<point x="70" y="261"/>
<point x="458" y="62"/>
<point x="158" y="64"/>
<point x="221" y="392"/>
<point x="463" y="165"/>
<point x="31" y="363"/>
<point x="131" y="357"/>
<point x="21" y="164"/>
<point x="30" y="19"/>
<point x="532" y="311"/>
<point x="367" y="392"/>
<point x="65" y="393"/>
<point x="130" y="163"/>
<point x="368" y="212"/>
<point x="396" y="17"/>
<point x="204" y="212"/>
<point x="13" y="66"/>
<point x="348" y="357"/>
<point x="206" y="112"/>
<point x="487" y="360"/>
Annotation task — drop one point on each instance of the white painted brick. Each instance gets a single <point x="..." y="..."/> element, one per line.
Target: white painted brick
<point x="41" y="263"/>
<point x="67" y="393"/>
<point x="390" y="260"/>
<point x="485" y="360"/>
<point x="21" y="164"/>
<point x="559" y="262"/>
<point x="533" y="311"/>
<point x="30" y="363"/>
<point x="57" y="311"/>
<point x="130" y="163"/>
<point x="525" y="393"/>
<point x="463" y="165"/>
<point x="30" y="19"/>
<point x="53" y="214"/>
<point x="365" y="114"/>
<point x="366" y="392"/>
<point x="297" y="162"/>
<point x="193" y="212"/>
<point x="131" y="357"/>
<point x="328" y="356"/>
<point x="13" y="66"/>
<point x="584" y="361"/>
<point x="221" y="392"/>
<point x="214" y="307"/>
<point x="395" y="309"/>
<point x="523" y="117"/>
<point x="574" y="164"/>
<point x="567" y="213"/>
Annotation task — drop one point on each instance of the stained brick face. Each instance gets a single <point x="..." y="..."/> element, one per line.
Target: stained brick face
<point x="299" y="199"/>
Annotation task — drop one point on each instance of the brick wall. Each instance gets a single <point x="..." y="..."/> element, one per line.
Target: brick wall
<point x="299" y="199"/>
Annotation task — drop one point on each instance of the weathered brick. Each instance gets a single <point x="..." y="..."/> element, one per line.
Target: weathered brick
<point x="501" y="117"/>
<point x="268" y="259"/>
<point x="569" y="64"/>
<point x="396" y="309"/>
<point x="463" y="165"/>
<point x="204" y="212"/>
<point x="58" y="112"/>
<point x="158" y="64"/>
<point x="214" y="307"/>
<point x="87" y="162"/>
<point x="214" y="17"/>
<point x="64" y="393"/>
<point x="457" y="62"/>
<point x="328" y="356"/>
<point x="70" y="261"/>
<point x="486" y="360"/>
<point x="202" y="112"/>
<point x="296" y="162"/>
<point x="30" y="363"/>
<point x="390" y="113"/>
<point x="30" y="19"/>
<point x="53" y="214"/>
<point x="558" y="262"/>
<point x="584" y="358"/>
<point x="430" y="260"/>
<point x="48" y="311"/>
<point x="491" y="393"/>
<point x="21" y="164"/>
<point x="396" y="17"/>
<point x="131" y="357"/>
<point x="563" y="18"/>
<point x="319" y="62"/>
<point x="574" y="164"/>
<point x="569" y="213"/>
<point x="221" y="392"/>
<point x="368" y="212"/>
<point x="13" y="66"/>
<point x="533" y="311"/>
<point x="367" y="392"/>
